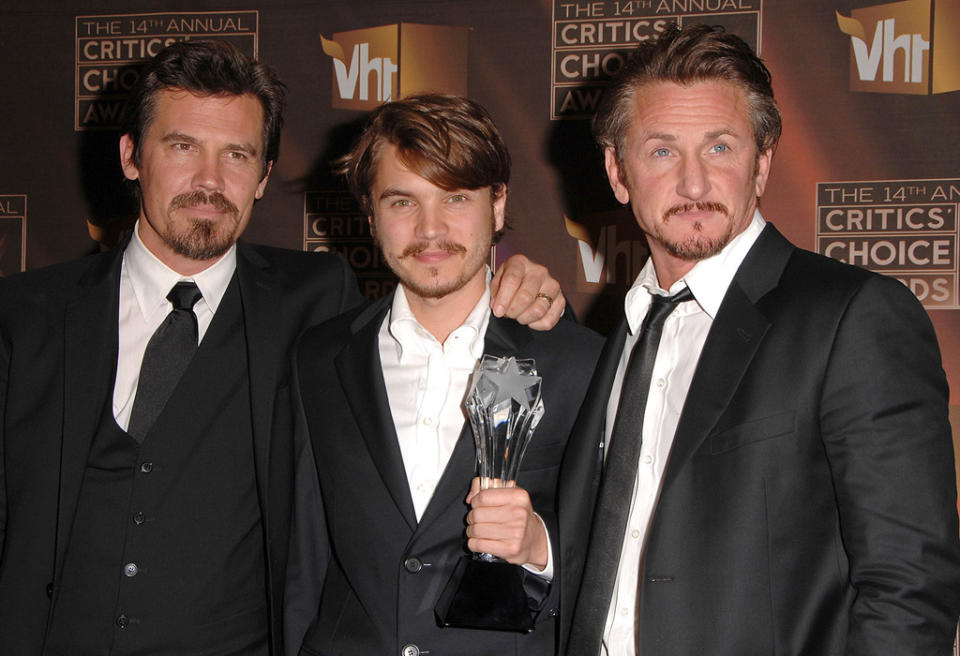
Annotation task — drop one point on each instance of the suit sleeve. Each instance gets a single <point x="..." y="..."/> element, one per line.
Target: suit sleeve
<point x="309" y="549"/>
<point x="887" y="436"/>
<point x="541" y="591"/>
<point x="350" y="296"/>
<point x="4" y="365"/>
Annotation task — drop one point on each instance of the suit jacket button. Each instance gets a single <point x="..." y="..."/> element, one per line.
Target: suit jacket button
<point x="123" y="621"/>
<point x="413" y="565"/>
<point x="410" y="650"/>
<point x="146" y="467"/>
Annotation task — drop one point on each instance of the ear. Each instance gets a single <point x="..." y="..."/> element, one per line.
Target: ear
<point x="127" y="147"/>
<point x="614" y="175"/>
<point x="499" y="209"/>
<point x="372" y="224"/>
<point x="764" y="160"/>
<point x="262" y="187"/>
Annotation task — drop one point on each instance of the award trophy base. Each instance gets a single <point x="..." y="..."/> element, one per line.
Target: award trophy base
<point x="485" y="594"/>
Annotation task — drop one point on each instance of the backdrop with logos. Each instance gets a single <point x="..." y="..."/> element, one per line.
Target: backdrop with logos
<point x="868" y="170"/>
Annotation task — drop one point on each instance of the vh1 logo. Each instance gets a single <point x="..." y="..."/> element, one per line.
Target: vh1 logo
<point x="905" y="47"/>
<point x="610" y="259"/>
<point x="378" y="64"/>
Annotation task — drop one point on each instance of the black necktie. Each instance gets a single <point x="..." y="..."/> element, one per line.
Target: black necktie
<point x="167" y="355"/>
<point x="619" y="478"/>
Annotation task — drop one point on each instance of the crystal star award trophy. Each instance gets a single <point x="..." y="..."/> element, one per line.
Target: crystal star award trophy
<point x="504" y="407"/>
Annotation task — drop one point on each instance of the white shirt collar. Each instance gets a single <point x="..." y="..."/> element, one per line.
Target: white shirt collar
<point x="152" y="279"/>
<point x="408" y="334"/>
<point x="708" y="279"/>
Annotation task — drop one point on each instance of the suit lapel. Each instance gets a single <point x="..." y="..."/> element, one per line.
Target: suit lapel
<point x="593" y="416"/>
<point x="734" y="338"/>
<point x="90" y="356"/>
<point x="358" y="366"/>
<point x="260" y="294"/>
<point x="581" y="471"/>
<point x="504" y="337"/>
<point x="587" y="436"/>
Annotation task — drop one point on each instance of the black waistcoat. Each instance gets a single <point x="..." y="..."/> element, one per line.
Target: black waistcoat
<point x="166" y="552"/>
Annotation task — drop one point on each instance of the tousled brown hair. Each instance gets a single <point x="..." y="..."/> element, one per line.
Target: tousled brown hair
<point x="449" y="140"/>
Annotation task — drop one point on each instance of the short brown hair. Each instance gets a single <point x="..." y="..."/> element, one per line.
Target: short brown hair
<point x="449" y="140"/>
<point x="686" y="55"/>
<point x="206" y="68"/>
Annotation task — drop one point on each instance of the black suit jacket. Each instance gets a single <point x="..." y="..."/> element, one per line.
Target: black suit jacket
<point x="58" y="328"/>
<point x="809" y="503"/>
<point x="385" y="569"/>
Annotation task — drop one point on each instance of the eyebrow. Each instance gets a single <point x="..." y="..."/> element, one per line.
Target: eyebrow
<point x="665" y="136"/>
<point x="170" y="137"/>
<point x="660" y="136"/>
<point x="730" y="132"/>
<point x="391" y="192"/>
<point x="180" y="136"/>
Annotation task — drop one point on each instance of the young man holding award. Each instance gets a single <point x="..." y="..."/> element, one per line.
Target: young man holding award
<point x="383" y="389"/>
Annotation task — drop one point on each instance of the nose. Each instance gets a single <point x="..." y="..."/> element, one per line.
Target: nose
<point x="431" y="223"/>
<point x="208" y="174"/>
<point x="693" y="182"/>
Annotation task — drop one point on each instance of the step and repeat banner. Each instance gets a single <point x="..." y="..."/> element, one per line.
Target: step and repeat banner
<point x="867" y="172"/>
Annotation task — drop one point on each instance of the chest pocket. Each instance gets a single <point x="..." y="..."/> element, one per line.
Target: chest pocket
<point x="543" y="456"/>
<point x="756" y="430"/>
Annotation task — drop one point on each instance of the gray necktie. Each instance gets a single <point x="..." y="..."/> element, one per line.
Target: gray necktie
<point x="619" y="478"/>
<point x="169" y="351"/>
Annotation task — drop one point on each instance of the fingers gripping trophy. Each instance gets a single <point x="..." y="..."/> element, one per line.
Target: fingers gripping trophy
<point x="504" y="406"/>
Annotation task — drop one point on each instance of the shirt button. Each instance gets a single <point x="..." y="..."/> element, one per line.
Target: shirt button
<point x="661" y="382"/>
<point x="624" y="611"/>
<point x="647" y="459"/>
<point x="410" y="650"/>
<point x="635" y="534"/>
<point x="138" y="518"/>
<point x="130" y="570"/>
<point x="146" y="467"/>
<point x="428" y="421"/>
<point x="413" y="565"/>
<point x="123" y="621"/>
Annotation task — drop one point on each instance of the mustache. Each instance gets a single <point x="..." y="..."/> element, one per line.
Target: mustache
<point x="199" y="197"/>
<point x="446" y="246"/>
<point x="702" y="205"/>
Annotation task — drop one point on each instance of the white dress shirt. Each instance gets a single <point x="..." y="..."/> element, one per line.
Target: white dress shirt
<point x="426" y="385"/>
<point x="145" y="282"/>
<point x="684" y="334"/>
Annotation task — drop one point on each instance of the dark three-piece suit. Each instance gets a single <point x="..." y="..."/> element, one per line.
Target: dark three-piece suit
<point x="808" y="506"/>
<point x="177" y="545"/>
<point x="385" y="570"/>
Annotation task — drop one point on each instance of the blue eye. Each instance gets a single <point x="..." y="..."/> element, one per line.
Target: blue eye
<point x="720" y="148"/>
<point x="661" y="152"/>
